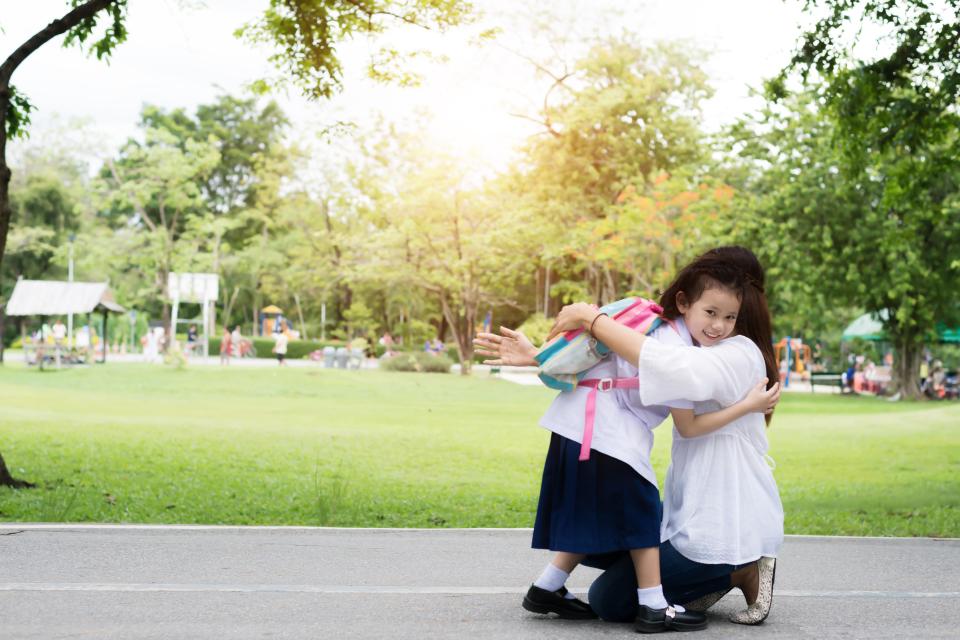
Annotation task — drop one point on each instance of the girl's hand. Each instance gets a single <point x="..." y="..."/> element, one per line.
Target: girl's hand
<point x="510" y="348"/>
<point x="763" y="400"/>
<point x="573" y="316"/>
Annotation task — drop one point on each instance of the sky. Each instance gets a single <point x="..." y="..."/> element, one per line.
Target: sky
<point x="182" y="53"/>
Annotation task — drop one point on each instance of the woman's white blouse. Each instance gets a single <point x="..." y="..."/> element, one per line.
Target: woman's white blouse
<point x="721" y="504"/>
<point x="622" y="426"/>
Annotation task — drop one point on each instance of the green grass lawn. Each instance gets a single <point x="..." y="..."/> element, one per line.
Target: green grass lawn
<point x="132" y="443"/>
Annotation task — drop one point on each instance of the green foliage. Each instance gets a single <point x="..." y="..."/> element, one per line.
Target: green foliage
<point x="359" y="319"/>
<point x="175" y="358"/>
<point x="860" y="198"/>
<point x="418" y="361"/>
<point x="306" y="35"/>
<point x="243" y="132"/>
<point x="902" y="93"/>
<point x="616" y="188"/>
<point x="114" y="33"/>
<point x="45" y="199"/>
<point x="570" y="291"/>
<point x="536" y="327"/>
<point x="17" y="114"/>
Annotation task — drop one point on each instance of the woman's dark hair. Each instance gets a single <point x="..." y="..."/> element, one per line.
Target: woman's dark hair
<point x="737" y="269"/>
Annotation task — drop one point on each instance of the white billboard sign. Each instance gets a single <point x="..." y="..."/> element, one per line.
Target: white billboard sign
<point x="193" y="287"/>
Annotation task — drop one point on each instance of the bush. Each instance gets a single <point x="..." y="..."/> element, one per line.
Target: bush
<point x="417" y="361"/>
<point x="536" y="327"/>
<point x="295" y="348"/>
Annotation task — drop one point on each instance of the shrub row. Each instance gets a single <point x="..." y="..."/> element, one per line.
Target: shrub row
<point x="417" y="361"/>
<point x="295" y="348"/>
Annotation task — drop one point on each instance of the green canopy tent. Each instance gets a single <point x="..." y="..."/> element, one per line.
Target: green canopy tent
<point x="870" y="327"/>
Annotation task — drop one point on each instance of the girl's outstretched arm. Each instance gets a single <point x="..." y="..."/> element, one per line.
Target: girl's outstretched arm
<point x="759" y="400"/>
<point x="510" y="348"/>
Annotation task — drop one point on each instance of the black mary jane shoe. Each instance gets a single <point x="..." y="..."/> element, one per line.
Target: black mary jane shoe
<point x="540" y="600"/>
<point x="668" y="619"/>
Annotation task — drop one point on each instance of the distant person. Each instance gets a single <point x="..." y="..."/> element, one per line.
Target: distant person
<point x="192" y="338"/>
<point x="937" y="388"/>
<point x="388" y="343"/>
<point x="225" y="346"/>
<point x="151" y="348"/>
<point x="280" y="348"/>
<point x="82" y="342"/>
<point x="236" y="341"/>
<point x="59" y="333"/>
<point x="848" y="377"/>
<point x="434" y="346"/>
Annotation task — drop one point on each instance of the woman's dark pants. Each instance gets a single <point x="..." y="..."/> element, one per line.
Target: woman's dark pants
<point x="613" y="595"/>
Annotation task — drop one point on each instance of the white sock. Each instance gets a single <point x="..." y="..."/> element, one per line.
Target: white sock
<point x="552" y="579"/>
<point x="653" y="598"/>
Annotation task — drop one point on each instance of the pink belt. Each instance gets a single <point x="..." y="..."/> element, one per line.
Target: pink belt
<point x="599" y="384"/>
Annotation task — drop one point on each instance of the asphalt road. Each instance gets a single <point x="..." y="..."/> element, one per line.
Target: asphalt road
<point x="130" y="582"/>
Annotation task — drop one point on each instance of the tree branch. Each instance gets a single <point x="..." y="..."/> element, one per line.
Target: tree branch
<point x="370" y="14"/>
<point x="52" y="30"/>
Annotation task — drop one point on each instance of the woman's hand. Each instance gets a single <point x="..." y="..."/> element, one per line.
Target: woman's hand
<point x="510" y="348"/>
<point x="573" y="316"/>
<point x="763" y="400"/>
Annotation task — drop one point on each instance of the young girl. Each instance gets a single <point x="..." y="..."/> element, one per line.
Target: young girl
<point x="723" y="519"/>
<point x="610" y="502"/>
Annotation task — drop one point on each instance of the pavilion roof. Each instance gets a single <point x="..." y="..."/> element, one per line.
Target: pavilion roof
<point x="55" y="298"/>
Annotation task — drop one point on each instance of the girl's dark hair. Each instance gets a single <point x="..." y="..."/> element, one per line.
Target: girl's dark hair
<point x="737" y="269"/>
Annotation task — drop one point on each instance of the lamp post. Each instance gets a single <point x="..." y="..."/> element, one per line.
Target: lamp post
<point x="71" y="238"/>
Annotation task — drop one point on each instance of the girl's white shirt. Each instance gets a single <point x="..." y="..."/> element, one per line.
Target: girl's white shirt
<point x="622" y="425"/>
<point x="721" y="504"/>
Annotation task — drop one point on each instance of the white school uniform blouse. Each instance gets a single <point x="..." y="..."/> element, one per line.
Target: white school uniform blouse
<point x="721" y="504"/>
<point x="622" y="425"/>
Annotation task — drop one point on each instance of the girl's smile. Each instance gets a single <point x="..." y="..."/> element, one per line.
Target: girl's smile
<point x="712" y="317"/>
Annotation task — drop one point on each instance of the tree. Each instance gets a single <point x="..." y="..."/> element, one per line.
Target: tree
<point x="248" y="138"/>
<point x="876" y="229"/>
<point x="306" y="33"/>
<point x="155" y="187"/>
<point x="242" y="130"/>
<point x="624" y="120"/>
<point x="894" y="121"/>
<point x="79" y="25"/>
<point x="461" y="245"/>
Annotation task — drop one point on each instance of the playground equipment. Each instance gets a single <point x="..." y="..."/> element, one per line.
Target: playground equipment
<point x="796" y="354"/>
<point x="272" y="321"/>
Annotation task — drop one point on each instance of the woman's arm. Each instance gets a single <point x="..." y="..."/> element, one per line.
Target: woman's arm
<point x="759" y="400"/>
<point x="725" y="372"/>
<point x="622" y="340"/>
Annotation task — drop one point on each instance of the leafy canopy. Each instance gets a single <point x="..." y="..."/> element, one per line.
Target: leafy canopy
<point x="306" y="35"/>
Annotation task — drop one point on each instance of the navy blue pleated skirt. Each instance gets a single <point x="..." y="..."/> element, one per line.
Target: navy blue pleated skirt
<point x="597" y="506"/>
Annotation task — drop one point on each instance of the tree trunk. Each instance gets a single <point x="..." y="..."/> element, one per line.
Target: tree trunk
<point x="6" y="480"/>
<point x="52" y="30"/>
<point x="906" y="366"/>
<point x="546" y="291"/>
<point x="228" y="308"/>
<point x="303" y="326"/>
<point x="536" y="290"/>
<point x="461" y="325"/>
<point x="3" y="322"/>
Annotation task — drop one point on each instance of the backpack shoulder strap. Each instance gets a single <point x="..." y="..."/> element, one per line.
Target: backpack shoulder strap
<point x="659" y="320"/>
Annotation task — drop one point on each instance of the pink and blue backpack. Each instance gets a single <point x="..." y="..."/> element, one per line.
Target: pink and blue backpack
<point x="565" y="360"/>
